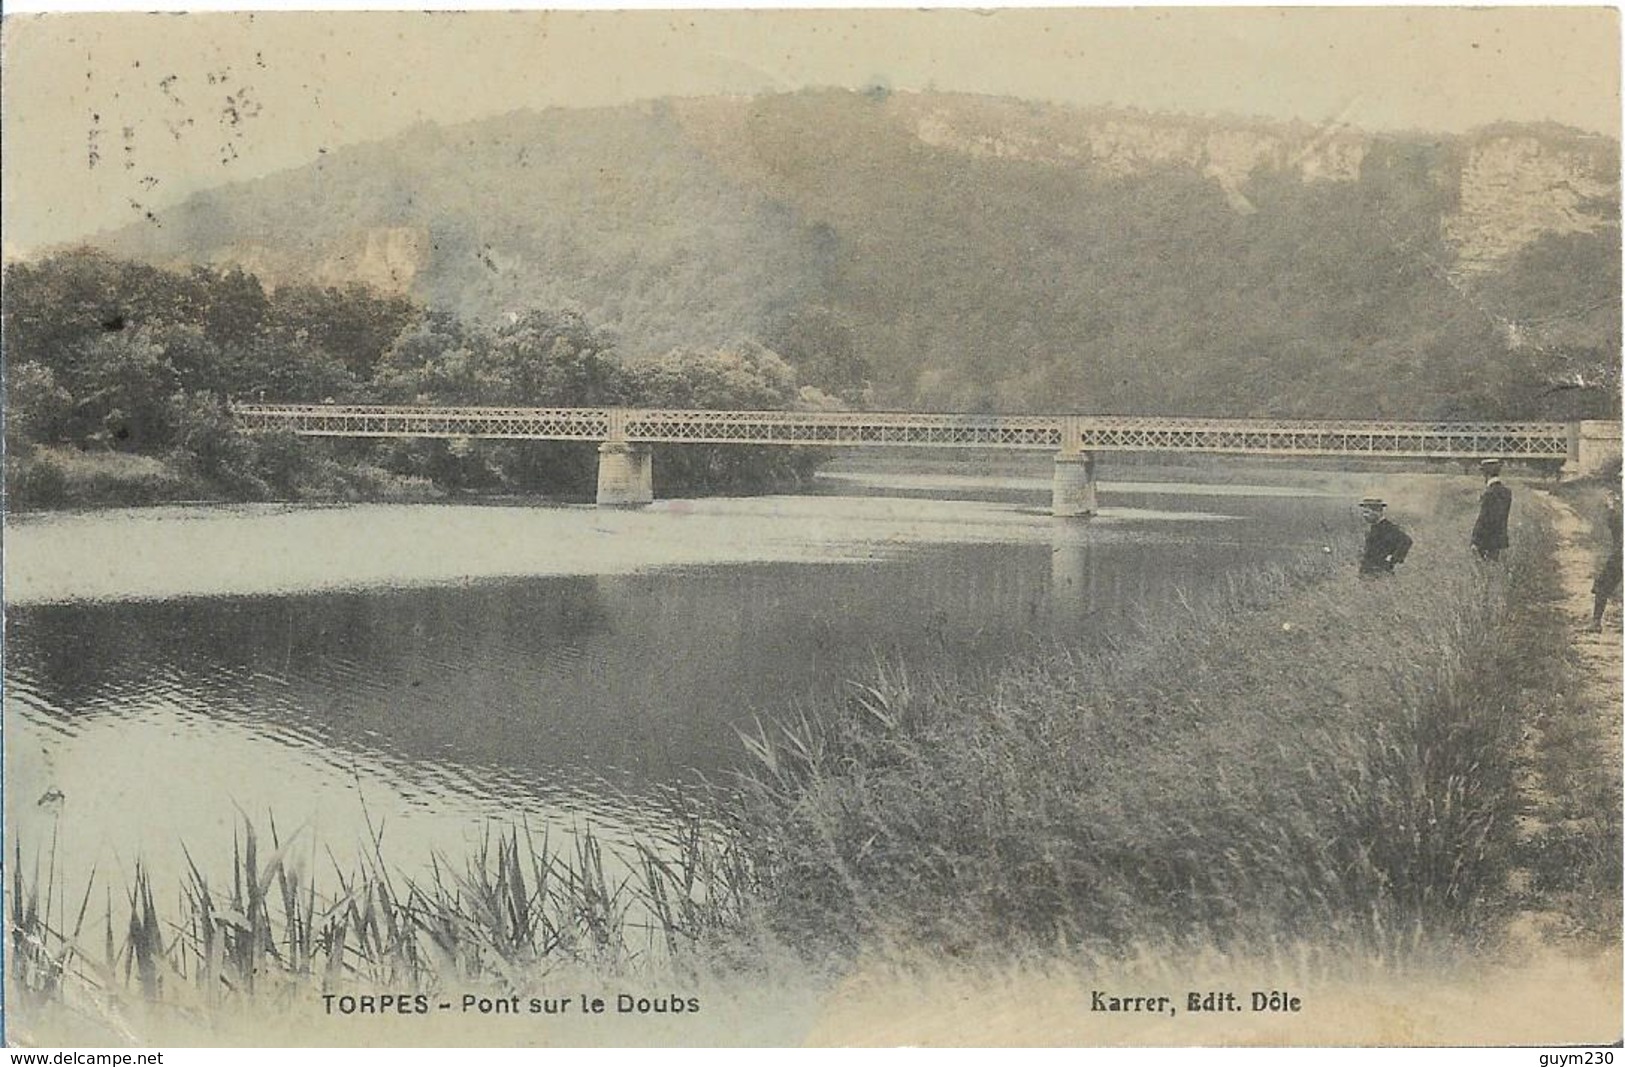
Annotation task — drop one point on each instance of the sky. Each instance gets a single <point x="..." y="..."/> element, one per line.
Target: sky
<point x="109" y="116"/>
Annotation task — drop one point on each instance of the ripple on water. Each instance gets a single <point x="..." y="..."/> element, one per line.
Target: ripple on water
<point x="138" y="556"/>
<point x="578" y="693"/>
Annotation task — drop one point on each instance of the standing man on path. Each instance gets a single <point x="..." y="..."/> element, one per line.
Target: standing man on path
<point x="1490" y="531"/>
<point x="1606" y="585"/>
<point x="1385" y="543"/>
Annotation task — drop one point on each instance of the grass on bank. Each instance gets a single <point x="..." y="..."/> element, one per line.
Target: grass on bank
<point x="1292" y="761"/>
<point x="46" y="477"/>
<point x="1300" y="765"/>
<point x="1303" y="761"/>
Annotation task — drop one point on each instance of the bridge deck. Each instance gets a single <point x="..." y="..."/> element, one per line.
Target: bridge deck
<point x="1090" y="433"/>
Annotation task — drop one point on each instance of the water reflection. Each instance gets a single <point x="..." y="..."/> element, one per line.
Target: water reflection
<point x="557" y="697"/>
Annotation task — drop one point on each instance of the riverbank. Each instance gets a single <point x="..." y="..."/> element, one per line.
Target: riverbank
<point x="45" y="479"/>
<point x="1454" y="880"/>
<point x="1305" y="783"/>
<point x="1311" y="758"/>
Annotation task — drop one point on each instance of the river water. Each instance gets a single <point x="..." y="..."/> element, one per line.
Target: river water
<point x="432" y="670"/>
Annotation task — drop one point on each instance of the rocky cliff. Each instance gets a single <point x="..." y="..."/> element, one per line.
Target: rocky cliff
<point x="1520" y="184"/>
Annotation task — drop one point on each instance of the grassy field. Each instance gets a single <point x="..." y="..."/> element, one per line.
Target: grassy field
<point x="1305" y="775"/>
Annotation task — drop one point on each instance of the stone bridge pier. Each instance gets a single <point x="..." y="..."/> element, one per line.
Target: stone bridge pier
<point x="625" y="475"/>
<point x="1072" y="494"/>
<point x="1594" y="446"/>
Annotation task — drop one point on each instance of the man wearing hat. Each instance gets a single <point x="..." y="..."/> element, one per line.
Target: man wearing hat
<point x="1606" y="585"/>
<point x="1385" y="543"/>
<point x="1490" y="531"/>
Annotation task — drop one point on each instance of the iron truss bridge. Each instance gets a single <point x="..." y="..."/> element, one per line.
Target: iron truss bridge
<point x="1063" y="433"/>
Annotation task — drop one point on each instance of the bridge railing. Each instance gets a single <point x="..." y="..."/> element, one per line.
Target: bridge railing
<point x="382" y="420"/>
<point x="845" y="428"/>
<point x="1534" y="440"/>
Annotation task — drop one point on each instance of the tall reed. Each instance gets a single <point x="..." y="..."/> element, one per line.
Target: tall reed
<point x="1298" y="757"/>
<point x="269" y="928"/>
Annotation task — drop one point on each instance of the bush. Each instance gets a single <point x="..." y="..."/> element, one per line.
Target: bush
<point x="67" y="477"/>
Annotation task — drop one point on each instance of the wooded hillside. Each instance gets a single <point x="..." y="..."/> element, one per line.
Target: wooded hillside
<point x="969" y="253"/>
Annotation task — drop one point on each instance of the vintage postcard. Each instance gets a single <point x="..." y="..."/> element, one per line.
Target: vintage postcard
<point x="1082" y="527"/>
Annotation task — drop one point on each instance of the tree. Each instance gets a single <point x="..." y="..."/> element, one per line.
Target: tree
<point x="37" y="408"/>
<point x="355" y="324"/>
<point x="822" y="346"/>
<point x="291" y="371"/>
<point x="1558" y="299"/>
<point x="120" y="382"/>
<point x="69" y="298"/>
<point x="744" y="375"/>
<point x="558" y="358"/>
<point x="232" y="305"/>
<point x="203" y="432"/>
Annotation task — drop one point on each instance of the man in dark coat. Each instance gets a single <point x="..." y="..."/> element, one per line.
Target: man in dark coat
<point x="1490" y="531"/>
<point x="1385" y="543"/>
<point x="1606" y="585"/>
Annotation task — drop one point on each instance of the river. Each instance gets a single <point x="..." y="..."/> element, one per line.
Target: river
<point x="434" y="670"/>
